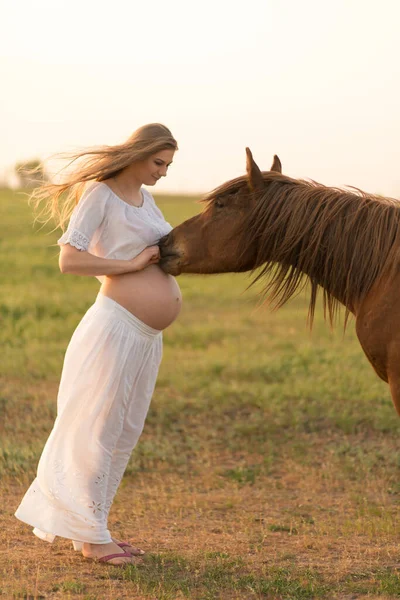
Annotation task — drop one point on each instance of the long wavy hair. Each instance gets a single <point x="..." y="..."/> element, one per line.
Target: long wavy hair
<point x="56" y="201"/>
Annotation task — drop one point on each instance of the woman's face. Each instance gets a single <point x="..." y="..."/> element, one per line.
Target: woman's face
<point x="154" y="167"/>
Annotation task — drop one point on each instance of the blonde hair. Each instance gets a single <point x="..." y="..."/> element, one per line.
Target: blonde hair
<point x="56" y="201"/>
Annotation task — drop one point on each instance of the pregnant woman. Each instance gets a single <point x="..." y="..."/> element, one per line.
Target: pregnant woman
<point x="112" y="360"/>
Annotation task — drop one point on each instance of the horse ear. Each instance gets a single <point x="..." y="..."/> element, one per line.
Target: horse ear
<point x="255" y="179"/>
<point x="276" y="165"/>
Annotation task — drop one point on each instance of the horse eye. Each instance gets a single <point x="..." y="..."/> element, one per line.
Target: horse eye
<point x="219" y="204"/>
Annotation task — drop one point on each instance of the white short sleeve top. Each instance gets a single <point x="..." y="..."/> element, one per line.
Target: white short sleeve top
<point x="107" y="226"/>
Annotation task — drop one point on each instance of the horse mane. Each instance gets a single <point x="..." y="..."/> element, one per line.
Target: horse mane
<point x="338" y="239"/>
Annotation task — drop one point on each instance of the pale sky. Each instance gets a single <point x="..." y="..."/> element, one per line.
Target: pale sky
<point x="315" y="81"/>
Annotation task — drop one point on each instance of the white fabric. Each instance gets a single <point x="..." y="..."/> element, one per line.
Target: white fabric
<point x="106" y="226"/>
<point x="108" y="378"/>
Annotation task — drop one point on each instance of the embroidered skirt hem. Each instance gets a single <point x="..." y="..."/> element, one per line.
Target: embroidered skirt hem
<point x="108" y="378"/>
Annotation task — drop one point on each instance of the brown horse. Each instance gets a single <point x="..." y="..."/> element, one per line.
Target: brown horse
<point x="296" y="232"/>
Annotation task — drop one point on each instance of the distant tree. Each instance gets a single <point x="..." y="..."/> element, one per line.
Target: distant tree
<point x="30" y="173"/>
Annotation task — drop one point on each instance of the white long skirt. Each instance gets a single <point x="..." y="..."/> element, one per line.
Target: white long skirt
<point x="108" y="378"/>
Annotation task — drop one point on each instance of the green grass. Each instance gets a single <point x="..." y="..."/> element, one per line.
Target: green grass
<point x="166" y="576"/>
<point x="269" y="465"/>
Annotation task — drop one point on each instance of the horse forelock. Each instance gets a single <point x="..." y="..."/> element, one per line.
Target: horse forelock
<point x="230" y="187"/>
<point x="240" y="184"/>
<point x="334" y="238"/>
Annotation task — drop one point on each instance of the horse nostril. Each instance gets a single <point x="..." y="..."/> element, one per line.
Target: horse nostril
<point x="163" y="240"/>
<point x="163" y="244"/>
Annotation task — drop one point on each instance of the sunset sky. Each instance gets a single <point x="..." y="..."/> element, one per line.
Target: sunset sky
<point x="316" y="82"/>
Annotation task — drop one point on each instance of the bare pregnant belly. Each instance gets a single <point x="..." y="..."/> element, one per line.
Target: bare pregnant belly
<point x="150" y="295"/>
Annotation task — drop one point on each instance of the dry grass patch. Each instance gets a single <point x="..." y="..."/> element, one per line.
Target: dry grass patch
<point x="298" y="534"/>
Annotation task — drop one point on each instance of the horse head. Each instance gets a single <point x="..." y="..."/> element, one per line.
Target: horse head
<point x="211" y="242"/>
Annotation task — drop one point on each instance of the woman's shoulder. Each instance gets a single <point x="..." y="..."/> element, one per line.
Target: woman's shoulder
<point x="93" y="200"/>
<point x="96" y="188"/>
<point x="95" y="192"/>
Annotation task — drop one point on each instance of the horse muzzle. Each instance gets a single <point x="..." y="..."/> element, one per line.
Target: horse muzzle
<point x="171" y="260"/>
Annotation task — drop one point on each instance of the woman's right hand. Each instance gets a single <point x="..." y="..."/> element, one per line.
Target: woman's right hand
<point x="149" y="256"/>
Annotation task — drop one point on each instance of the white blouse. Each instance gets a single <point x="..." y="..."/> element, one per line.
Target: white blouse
<point x="107" y="226"/>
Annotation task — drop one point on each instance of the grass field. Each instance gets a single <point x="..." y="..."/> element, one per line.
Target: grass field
<point x="269" y="465"/>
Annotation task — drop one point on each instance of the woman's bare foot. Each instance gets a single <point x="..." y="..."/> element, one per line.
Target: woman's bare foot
<point x="126" y="547"/>
<point x="100" y="550"/>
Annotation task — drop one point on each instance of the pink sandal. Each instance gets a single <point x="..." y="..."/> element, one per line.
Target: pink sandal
<point x="108" y="557"/>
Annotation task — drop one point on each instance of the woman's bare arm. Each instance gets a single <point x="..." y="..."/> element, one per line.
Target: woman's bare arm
<point x="78" y="262"/>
